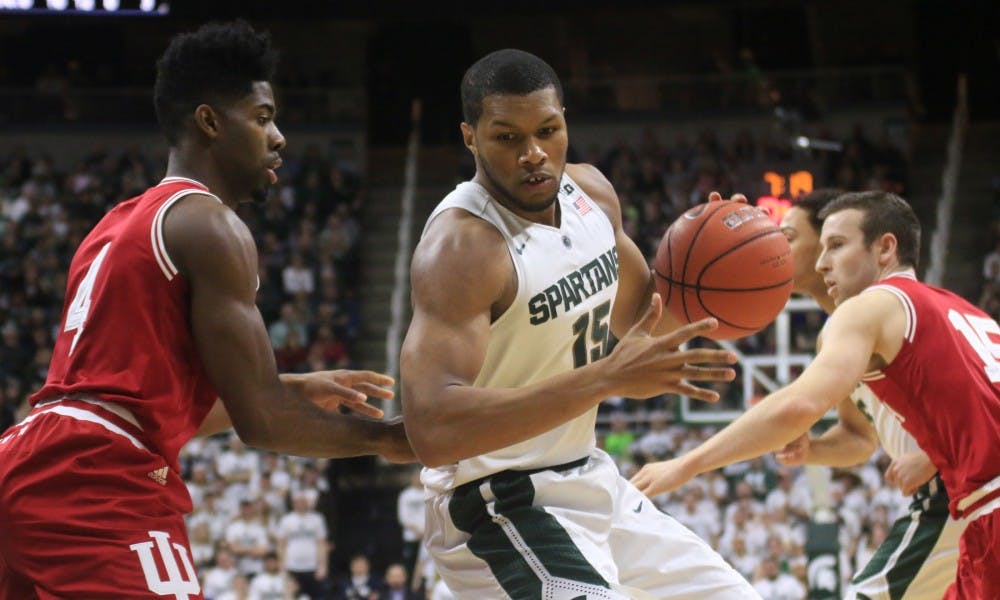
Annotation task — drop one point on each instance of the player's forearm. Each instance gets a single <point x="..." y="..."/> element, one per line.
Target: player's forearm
<point x="463" y="421"/>
<point x="290" y="424"/>
<point x="771" y="424"/>
<point x="839" y="447"/>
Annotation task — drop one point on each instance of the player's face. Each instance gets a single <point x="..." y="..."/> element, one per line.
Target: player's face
<point x="251" y="142"/>
<point x="520" y="147"/>
<point x="848" y="265"/>
<point x="804" y="241"/>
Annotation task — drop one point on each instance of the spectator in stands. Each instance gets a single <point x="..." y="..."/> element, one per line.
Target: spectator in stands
<point x="219" y="578"/>
<point x="271" y="583"/>
<point x="741" y="559"/>
<point x="395" y="585"/>
<point x="410" y="512"/>
<point x="289" y="320"/>
<point x="658" y="442"/>
<point x="237" y="466"/>
<point x="247" y="538"/>
<point x="360" y="584"/>
<point x="772" y="584"/>
<point x="303" y="546"/>
<point x="618" y="441"/>
<point x="296" y="278"/>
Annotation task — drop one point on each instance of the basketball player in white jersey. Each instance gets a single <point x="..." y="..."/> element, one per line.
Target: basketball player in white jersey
<point x="919" y="557"/>
<point x="522" y="280"/>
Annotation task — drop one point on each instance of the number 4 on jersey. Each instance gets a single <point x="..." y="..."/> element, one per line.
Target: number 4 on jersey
<point x="76" y="314"/>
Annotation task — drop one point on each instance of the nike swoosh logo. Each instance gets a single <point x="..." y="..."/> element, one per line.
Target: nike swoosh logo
<point x="638" y="509"/>
<point x="520" y="249"/>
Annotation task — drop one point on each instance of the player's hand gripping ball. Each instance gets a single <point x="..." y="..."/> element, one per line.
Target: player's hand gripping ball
<point x="726" y="260"/>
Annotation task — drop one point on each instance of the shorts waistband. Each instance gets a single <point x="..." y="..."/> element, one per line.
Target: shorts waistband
<point x="113" y="417"/>
<point x="974" y="501"/>
<point x="514" y="473"/>
<point x="932" y="488"/>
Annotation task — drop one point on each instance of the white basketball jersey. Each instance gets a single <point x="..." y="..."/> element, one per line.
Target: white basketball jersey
<point x="567" y="278"/>
<point x="895" y="440"/>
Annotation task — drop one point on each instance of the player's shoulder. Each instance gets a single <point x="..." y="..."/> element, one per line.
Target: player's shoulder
<point x="200" y="228"/>
<point x="458" y="241"/>
<point x="592" y="180"/>
<point x="593" y="183"/>
<point x="457" y="249"/>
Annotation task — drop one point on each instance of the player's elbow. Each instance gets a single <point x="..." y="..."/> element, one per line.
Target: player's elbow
<point x="431" y="450"/>
<point x="801" y="413"/>
<point x="256" y="433"/>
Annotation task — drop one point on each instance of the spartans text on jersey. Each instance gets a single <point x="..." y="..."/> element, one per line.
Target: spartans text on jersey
<point x="574" y="288"/>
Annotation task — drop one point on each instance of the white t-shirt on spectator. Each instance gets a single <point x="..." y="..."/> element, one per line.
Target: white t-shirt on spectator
<point x="410" y="512"/>
<point x="267" y="586"/>
<point x="302" y="533"/>
<point x="217" y="581"/>
<point x="782" y="587"/>
<point x="249" y="535"/>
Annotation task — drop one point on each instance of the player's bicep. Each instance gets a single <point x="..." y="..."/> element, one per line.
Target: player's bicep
<point x="456" y="279"/>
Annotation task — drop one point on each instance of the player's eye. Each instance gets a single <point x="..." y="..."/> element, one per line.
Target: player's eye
<point x="546" y="131"/>
<point x="506" y="137"/>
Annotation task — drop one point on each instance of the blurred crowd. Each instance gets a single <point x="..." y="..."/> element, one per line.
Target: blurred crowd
<point x="261" y="526"/>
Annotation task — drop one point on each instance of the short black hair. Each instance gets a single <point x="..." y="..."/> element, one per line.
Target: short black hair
<point x="219" y="62"/>
<point x="814" y="202"/>
<point x="507" y="72"/>
<point x="883" y="213"/>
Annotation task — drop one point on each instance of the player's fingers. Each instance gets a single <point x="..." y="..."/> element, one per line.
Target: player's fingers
<point x="714" y="197"/>
<point x="738" y="198"/>
<point x="697" y="356"/>
<point x="684" y="334"/>
<point x="345" y="393"/>
<point x="363" y="376"/>
<point x="686" y="389"/>
<point x="652" y="316"/>
<point x="696" y="373"/>
<point x="366" y="409"/>
<point x="375" y="391"/>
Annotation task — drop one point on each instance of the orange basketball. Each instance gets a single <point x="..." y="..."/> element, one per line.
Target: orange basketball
<point x="726" y="260"/>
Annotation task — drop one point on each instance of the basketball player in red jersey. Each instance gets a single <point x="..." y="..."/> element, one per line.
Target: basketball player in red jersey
<point x="929" y="355"/>
<point x="160" y="321"/>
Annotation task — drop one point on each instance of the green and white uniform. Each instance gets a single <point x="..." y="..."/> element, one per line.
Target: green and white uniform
<point x="551" y="517"/>
<point x="919" y="558"/>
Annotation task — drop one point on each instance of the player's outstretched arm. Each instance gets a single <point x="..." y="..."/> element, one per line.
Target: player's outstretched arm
<point x="216" y="254"/>
<point x="329" y="390"/>
<point x="850" y="441"/>
<point x="463" y="278"/>
<point x="854" y="335"/>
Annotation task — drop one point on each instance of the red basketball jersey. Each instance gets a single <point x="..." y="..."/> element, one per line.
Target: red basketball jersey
<point x="943" y="384"/>
<point x="125" y="334"/>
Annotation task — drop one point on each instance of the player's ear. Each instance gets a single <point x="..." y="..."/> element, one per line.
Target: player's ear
<point x="469" y="137"/>
<point x="887" y="246"/>
<point x="206" y="120"/>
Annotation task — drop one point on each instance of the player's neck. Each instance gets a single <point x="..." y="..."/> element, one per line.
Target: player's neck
<point x="200" y="169"/>
<point x="897" y="269"/>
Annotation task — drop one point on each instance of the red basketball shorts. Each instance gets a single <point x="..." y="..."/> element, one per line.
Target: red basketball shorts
<point x="978" y="576"/>
<point x="86" y="511"/>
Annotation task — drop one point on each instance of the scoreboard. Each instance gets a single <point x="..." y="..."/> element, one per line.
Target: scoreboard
<point x="86" y="7"/>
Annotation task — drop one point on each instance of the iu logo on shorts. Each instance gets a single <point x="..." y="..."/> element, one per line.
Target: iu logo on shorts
<point x="176" y="584"/>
